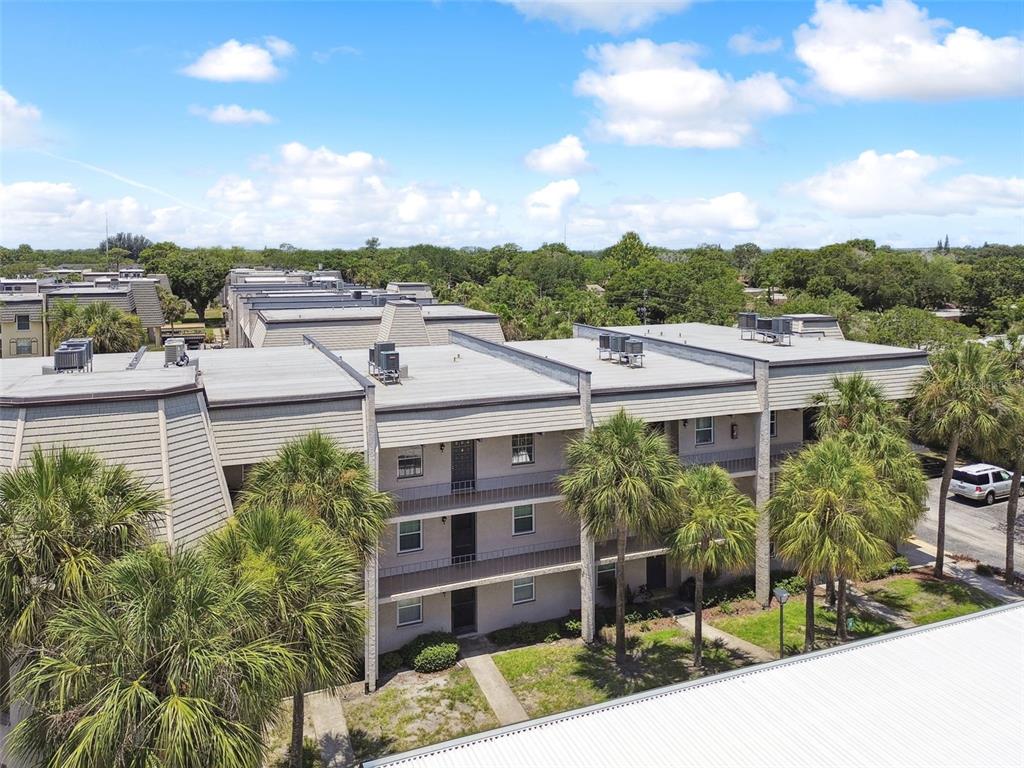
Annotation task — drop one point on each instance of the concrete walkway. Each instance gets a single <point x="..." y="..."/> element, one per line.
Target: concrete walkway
<point x="711" y="634"/>
<point x="921" y="553"/>
<point x="476" y="652"/>
<point x="325" y="724"/>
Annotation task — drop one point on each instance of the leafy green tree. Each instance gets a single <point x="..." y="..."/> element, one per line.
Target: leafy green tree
<point x="744" y="256"/>
<point x="196" y="275"/>
<point x="630" y="251"/>
<point x="621" y="481"/>
<point x="134" y="245"/>
<point x="173" y="308"/>
<point x="316" y="475"/>
<point x="62" y="516"/>
<point x="111" y="329"/>
<point x="165" y="663"/>
<point x="909" y="327"/>
<point x="115" y="256"/>
<point x="715" y="531"/>
<point x="315" y="589"/>
<point x="825" y="514"/>
<point x="961" y="400"/>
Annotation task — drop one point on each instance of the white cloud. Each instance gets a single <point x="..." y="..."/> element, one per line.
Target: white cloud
<point x="549" y="202"/>
<point x="565" y="156"/>
<point x="902" y="183"/>
<point x="237" y="62"/>
<point x="19" y="122"/>
<point x="322" y="57"/>
<point x="233" y="190"/>
<point x="895" y="51"/>
<point x="748" y="42"/>
<point x="280" y="49"/>
<point x="603" y="15"/>
<point x="658" y="94"/>
<point x="232" y="114"/>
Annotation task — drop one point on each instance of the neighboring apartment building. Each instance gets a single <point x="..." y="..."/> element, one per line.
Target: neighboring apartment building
<point x="22" y="325"/>
<point x="470" y="442"/>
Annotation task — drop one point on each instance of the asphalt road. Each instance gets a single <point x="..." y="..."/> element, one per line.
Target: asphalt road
<point x="973" y="528"/>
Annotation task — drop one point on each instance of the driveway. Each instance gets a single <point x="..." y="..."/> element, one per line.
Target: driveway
<point x="972" y="528"/>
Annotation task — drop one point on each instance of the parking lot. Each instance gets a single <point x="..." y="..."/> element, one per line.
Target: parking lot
<point x="973" y="529"/>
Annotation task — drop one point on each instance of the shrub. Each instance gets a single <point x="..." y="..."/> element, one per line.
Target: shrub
<point x="726" y="606"/>
<point x="434" y="658"/>
<point x="390" y="662"/>
<point x="984" y="570"/>
<point x="554" y="637"/>
<point x="898" y="564"/>
<point x="311" y="756"/>
<point x="572" y="627"/>
<point x="426" y="652"/>
<point x="795" y="585"/>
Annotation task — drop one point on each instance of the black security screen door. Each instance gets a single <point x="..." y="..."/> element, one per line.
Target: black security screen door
<point x="464" y="611"/>
<point x="463" y="538"/>
<point x="463" y="466"/>
<point x="656" y="572"/>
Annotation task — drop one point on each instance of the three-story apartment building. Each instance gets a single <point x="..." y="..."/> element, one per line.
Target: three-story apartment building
<point x="468" y="436"/>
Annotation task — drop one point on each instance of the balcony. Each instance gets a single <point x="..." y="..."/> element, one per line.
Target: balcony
<point x="481" y="493"/>
<point x="487" y="567"/>
<point x="739" y="459"/>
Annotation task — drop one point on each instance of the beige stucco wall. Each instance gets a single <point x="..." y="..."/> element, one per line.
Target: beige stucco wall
<point x="494" y="528"/>
<point x="555" y="595"/>
<point x="9" y="334"/>
<point x="789" y="424"/>
<point x="437" y="543"/>
<point x="437" y="617"/>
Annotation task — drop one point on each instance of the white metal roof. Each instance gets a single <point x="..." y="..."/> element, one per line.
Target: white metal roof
<point x="949" y="694"/>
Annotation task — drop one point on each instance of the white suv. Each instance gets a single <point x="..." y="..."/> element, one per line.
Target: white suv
<point x="982" y="482"/>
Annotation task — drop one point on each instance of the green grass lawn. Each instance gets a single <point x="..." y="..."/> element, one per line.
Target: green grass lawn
<point x="556" y="677"/>
<point x="762" y="627"/>
<point x="926" y="600"/>
<point x="411" y="711"/>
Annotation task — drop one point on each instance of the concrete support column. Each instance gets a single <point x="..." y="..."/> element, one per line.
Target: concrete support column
<point x="372" y="568"/>
<point x="588" y="568"/>
<point x="762" y="485"/>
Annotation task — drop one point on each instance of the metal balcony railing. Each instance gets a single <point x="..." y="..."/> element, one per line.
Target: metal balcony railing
<point x="507" y="489"/>
<point x="740" y="459"/>
<point x="445" y="572"/>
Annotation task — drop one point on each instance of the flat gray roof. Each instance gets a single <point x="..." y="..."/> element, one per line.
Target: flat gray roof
<point x="659" y="370"/>
<point x="29" y="384"/>
<point x="19" y="296"/>
<point x="803" y="348"/>
<point x="945" y="694"/>
<point x="343" y="314"/>
<point x="452" y="374"/>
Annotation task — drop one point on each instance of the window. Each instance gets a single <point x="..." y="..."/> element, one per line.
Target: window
<point x="522" y="449"/>
<point x="410" y="462"/>
<point x="410" y="536"/>
<point x="522" y="519"/>
<point x="22" y="321"/>
<point x="705" y="430"/>
<point x="773" y="425"/>
<point x="523" y="590"/>
<point x="24" y="346"/>
<point x="971" y="478"/>
<point x="410" y="611"/>
<point x="606" y="575"/>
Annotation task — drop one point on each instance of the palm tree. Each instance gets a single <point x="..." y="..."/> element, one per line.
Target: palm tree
<point x="314" y="578"/>
<point x="62" y="517"/>
<point x="621" y="480"/>
<point x="716" y="532"/>
<point x="111" y="329"/>
<point x="855" y="407"/>
<point x="826" y="513"/>
<point x="326" y="481"/>
<point x="164" y="663"/>
<point x="960" y="400"/>
<point x="1012" y="445"/>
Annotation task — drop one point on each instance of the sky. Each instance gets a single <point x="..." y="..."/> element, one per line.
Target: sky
<point x="475" y="124"/>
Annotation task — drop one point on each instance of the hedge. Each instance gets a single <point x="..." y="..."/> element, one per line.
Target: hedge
<point x="431" y="652"/>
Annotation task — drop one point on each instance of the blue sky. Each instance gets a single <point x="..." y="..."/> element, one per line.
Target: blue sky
<point x="322" y="124"/>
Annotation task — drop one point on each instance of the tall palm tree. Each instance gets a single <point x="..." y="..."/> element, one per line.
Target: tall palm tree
<point x="621" y="480"/>
<point x="856" y="408"/>
<point x="165" y="663"/>
<point x="111" y="329"/>
<point x="316" y="475"/>
<point x="960" y="400"/>
<point x="715" y="532"/>
<point x="1012" y="445"/>
<point x="826" y="513"/>
<point x="314" y="578"/>
<point x="63" y="515"/>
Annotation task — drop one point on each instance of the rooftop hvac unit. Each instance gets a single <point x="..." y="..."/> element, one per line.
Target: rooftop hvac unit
<point x="357" y="295"/>
<point x="174" y="352"/>
<point x="73" y="355"/>
<point x="380" y="299"/>
<point x="603" y="341"/>
<point x="381" y="347"/>
<point x="388" y="361"/>
<point x="633" y="347"/>
<point x="617" y="343"/>
<point x="747" y="321"/>
<point x="782" y="330"/>
<point x="764" y="323"/>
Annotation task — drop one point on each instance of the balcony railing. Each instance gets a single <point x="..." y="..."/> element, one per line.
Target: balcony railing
<point x="447" y="571"/>
<point x="463" y="494"/>
<point x="739" y="459"/>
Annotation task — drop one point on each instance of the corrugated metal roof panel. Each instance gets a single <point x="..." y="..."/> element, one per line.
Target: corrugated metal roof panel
<point x="947" y="694"/>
